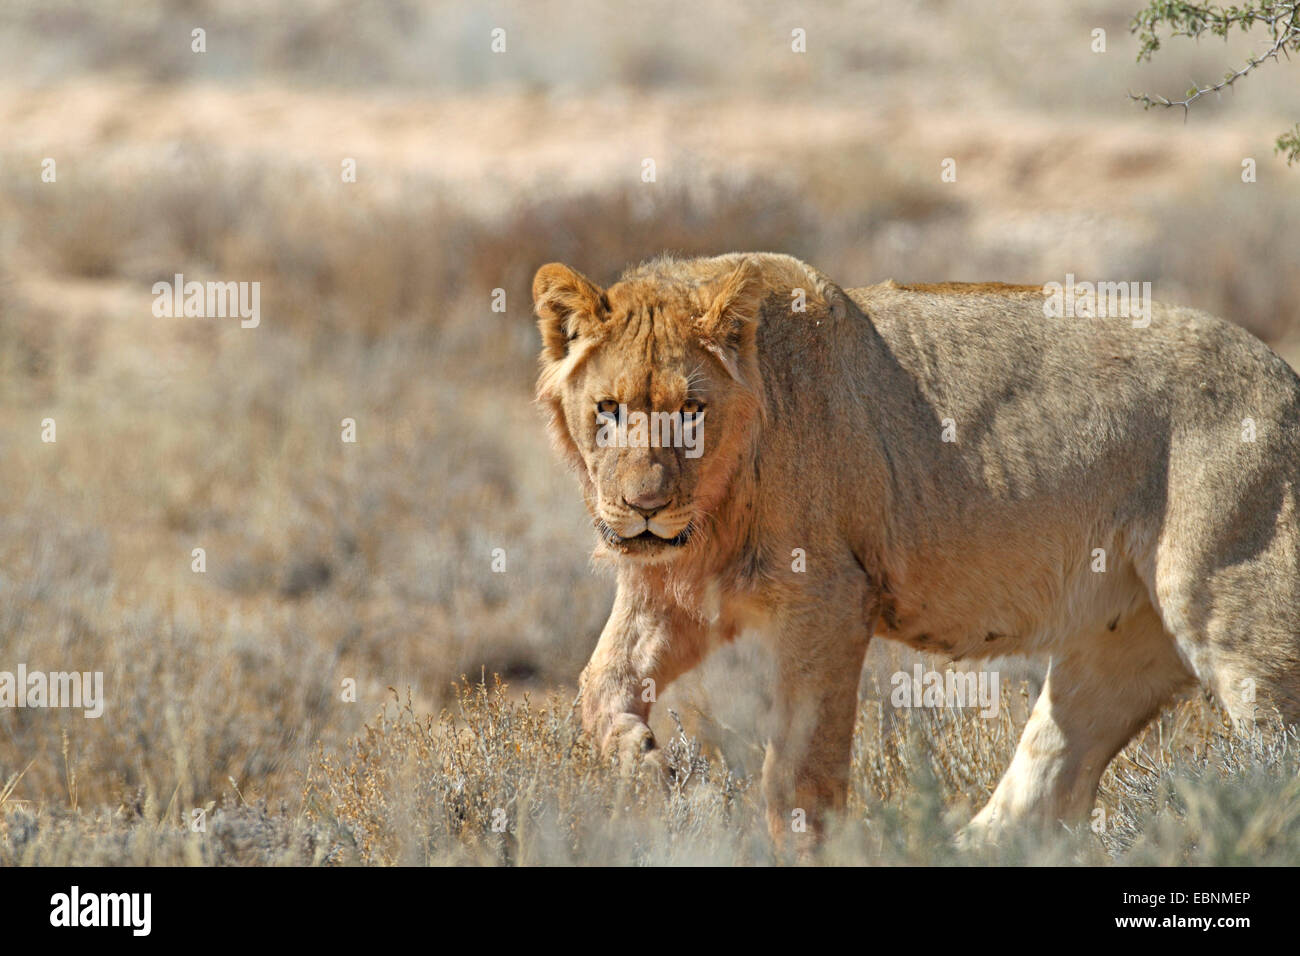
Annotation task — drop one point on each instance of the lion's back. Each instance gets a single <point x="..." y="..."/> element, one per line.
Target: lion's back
<point x="1094" y="406"/>
<point x="972" y="342"/>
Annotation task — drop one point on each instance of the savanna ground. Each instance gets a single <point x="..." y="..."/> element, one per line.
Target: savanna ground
<point x="329" y="561"/>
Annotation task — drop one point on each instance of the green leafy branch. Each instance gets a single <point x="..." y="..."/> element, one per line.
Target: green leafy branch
<point x="1281" y="18"/>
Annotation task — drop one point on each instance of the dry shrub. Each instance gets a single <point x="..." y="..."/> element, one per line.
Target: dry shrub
<point x="496" y="781"/>
<point x="500" y="782"/>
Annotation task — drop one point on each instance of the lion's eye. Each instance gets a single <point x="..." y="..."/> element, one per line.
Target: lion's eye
<point x="692" y="409"/>
<point x="607" y="408"/>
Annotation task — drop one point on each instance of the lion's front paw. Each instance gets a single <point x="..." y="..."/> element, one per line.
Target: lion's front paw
<point x="632" y="741"/>
<point x="629" y="737"/>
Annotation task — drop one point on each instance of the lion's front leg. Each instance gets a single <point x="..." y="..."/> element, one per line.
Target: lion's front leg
<point x="641" y="650"/>
<point x="806" y="770"/>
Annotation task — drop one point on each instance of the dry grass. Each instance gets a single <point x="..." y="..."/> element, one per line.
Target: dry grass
<point x="501" y="782"/>
<point x="496" y="781"/>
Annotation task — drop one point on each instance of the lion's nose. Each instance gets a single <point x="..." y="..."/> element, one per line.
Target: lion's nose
<point x="646" y="505"/>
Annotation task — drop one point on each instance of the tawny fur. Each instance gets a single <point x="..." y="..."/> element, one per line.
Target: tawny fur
<point x="824" y="431"/>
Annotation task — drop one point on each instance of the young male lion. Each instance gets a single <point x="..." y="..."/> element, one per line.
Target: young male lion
<point x="962" y="472"/>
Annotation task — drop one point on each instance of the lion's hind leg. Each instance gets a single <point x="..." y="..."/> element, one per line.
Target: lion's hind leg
<point x="1098" y="694"/>
<point x="1249" y="658"/>
<point x="1227" y="583"/>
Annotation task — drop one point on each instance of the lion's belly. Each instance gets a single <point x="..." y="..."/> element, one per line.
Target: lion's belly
<point x="991" y="614"/>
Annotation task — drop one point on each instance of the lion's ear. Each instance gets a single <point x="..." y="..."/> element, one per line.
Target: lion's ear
<point x="566" y="303"/>
<point x="729" y="324"/>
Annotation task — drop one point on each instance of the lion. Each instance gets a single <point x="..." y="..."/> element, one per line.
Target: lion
<point x="953" y="468"/>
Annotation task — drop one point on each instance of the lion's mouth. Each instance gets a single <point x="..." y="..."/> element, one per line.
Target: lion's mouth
<point x="646" y="538"/>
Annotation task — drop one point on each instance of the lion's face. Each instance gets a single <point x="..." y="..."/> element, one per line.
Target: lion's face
<point x="648" y="389"/>
<point x="643" y="429"/>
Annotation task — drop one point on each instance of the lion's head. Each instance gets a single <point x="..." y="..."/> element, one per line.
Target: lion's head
<point x="653" y="387"/>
